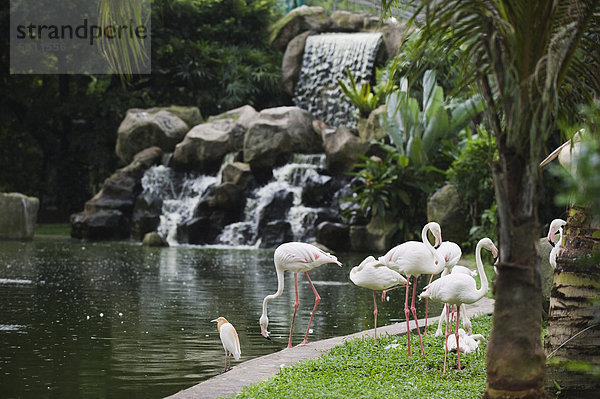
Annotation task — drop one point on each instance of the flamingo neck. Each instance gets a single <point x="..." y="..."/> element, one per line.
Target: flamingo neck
<point x="560" y="237"/>
<point x="280" y="286"/>
<point x="482" y="276"/>
<point x="439" y="259"/>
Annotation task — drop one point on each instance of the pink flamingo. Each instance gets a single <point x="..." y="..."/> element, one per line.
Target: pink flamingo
<point x="414" y="258"/>
<point x="456" y="289"/>
<point x="296" y="257"/>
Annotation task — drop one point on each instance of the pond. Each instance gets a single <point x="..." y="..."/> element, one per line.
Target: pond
<point x="119" y="320"/>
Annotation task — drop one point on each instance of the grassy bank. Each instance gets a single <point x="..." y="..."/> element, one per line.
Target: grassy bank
<point x="51" y="230"/>
<point x="361" y="369"/>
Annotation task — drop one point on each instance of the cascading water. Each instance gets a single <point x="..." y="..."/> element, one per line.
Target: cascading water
<point x="181" y="194"/>
<point x="288" y="181"/>
<point x="325" y="60"/>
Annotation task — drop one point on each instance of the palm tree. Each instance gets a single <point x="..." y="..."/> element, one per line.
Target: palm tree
<point x="531" y="62"/>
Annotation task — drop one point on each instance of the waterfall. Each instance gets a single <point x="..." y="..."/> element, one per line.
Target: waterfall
<point x="288" y="180"/>
<point x="180" y="192"/>
<point x="326" y="57"/>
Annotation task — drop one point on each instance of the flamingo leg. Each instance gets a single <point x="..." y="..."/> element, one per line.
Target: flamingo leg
<point x="414" y="312"/>
<point x="384" y="292"/>
<point x="317" y="299"/>
<point x="375" y="315"/>
<point x="295" y="309"/>
<point x="427" y="307"/>
<point x="447" y="334"/>
<point x="456" y="334"/>
<point x="407" y="315"/>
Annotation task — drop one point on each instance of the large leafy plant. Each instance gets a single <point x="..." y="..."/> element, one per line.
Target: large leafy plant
<point x="418" y="131"/>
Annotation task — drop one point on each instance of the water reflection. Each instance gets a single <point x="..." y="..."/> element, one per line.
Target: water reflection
<point x="118" y="319"/>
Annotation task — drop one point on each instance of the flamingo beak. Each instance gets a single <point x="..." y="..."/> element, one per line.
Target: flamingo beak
<point x="555" y="153"/>
<point x="551" y="242"/>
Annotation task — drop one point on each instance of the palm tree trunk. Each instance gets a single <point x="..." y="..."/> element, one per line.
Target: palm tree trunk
<point x="573" y="338"/>
<point x="515" y="359"/>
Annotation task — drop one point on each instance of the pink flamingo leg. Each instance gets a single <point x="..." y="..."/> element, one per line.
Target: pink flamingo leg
<point x="317" y="299"/>
<point x="375" y="315"/>
<point x="407" y="315"/>
<point x="295" y="309"/>
<point x="414" y="312"/>
<point x="447" y="334"/>
<point x="456" y="334"/>
<point x="427" y="307"/>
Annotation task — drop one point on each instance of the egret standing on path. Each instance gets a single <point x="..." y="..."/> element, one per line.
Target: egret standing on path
<point x="555" y="227"/>
<point x="414" y="258"/>
<point x="373" y="275"/>
<point x="456" y="289"/>
<point x="296" y="257"/>
<point x="229" y="339"/>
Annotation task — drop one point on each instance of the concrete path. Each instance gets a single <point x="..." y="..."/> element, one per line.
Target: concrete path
<point x="264" y="367"/>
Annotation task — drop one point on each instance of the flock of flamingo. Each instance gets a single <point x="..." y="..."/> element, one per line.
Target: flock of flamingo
<point x="455" y="288"/>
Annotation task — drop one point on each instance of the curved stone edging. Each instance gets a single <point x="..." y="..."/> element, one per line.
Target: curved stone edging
<point x="264" y="367"/>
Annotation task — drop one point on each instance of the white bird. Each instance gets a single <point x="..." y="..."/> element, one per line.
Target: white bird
<point x="229" y="339"/>
<point x="296" y="257"/>
<point x="373" y="275"/>
<point x="463" y="312"/>
<point x="467" y="343"/>
<point x="414" y="258"/>
<point x="555" y="227"/>
<point x="457" y="289"/>
<point x="567" y="153"/>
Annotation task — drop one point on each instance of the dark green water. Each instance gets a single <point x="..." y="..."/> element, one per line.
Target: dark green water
<point x="118" y="320"/>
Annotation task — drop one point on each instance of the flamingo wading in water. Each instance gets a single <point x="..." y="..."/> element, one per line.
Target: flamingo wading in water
<point x="373" y="275"/>
<point x="414" y="258"/>
<point x="297" y="257"/>
<point x="455" y="289"/>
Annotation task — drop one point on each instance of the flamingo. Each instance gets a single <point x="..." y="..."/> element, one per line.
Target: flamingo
<point x="229" y="339"/>
<point x="451" y="252"/>
<point x="464" y="317"/>
<point x="373" y="275"/>
<point x="566" y="158"/>
<point x="555" y="227"/>
<point x="296" y="257"/>
<point x="414" y="258"/>
<point x="467" y="343"/>
<point x="458" y="289"/>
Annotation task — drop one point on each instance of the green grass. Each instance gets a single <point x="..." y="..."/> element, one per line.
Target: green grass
<point x="53" y="230"/>
<point x="361" y="369"/>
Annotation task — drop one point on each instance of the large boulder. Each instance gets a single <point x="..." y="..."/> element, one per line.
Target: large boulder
<point x="108" y="215"/>
<point x="146" y="215"/>
<point x="346" y="21"/>
<point x="190" y="115"/>
<point x="334" y="235"/>
<point x="276" y="233"/>
<point x="394" y="35"/>
<point x="447" y="208"/>
<point x="206" y="144"/>
<point x="278" y="132"/>
<point x="18" y="215"/>
<point x="292" y="62"/>
<point x="342" y="147"/>
<point x="298" y="20"/>
<point x="370" y="129"/>
<point x="238" y="173"/>
<point x="144" y="128"/>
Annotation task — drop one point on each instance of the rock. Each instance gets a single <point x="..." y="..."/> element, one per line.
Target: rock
<point x="342" y="149"/>
<point x="371" y="129"/>
<point x="275" y="233"/>
<point x="18" y="216"/>
<point x="334" y="235"/>
<point x="110" y="224"/>
<point x="141" y="129"/>
<point x="279" y="132"/>
<point x="228" y="197"/>
<point x="238" y="173"/>
<point x="298" y="20"/>
<point x="318" y="190"/>
<point x="146" y="215"/>
<point x="108" y="215"/>
<point x="190" y="115"/>
<point x="205" y="145"/>
<point x="346" y="21"/>
<point x="447" y="208"/>
<point x="377" y="236"/>
<point x="154" y="239"/>
<point x="546" y="271"/>
<point x="292" y="62"/>
<point x="394" y="33"/>
<point x="277" y="208"/>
